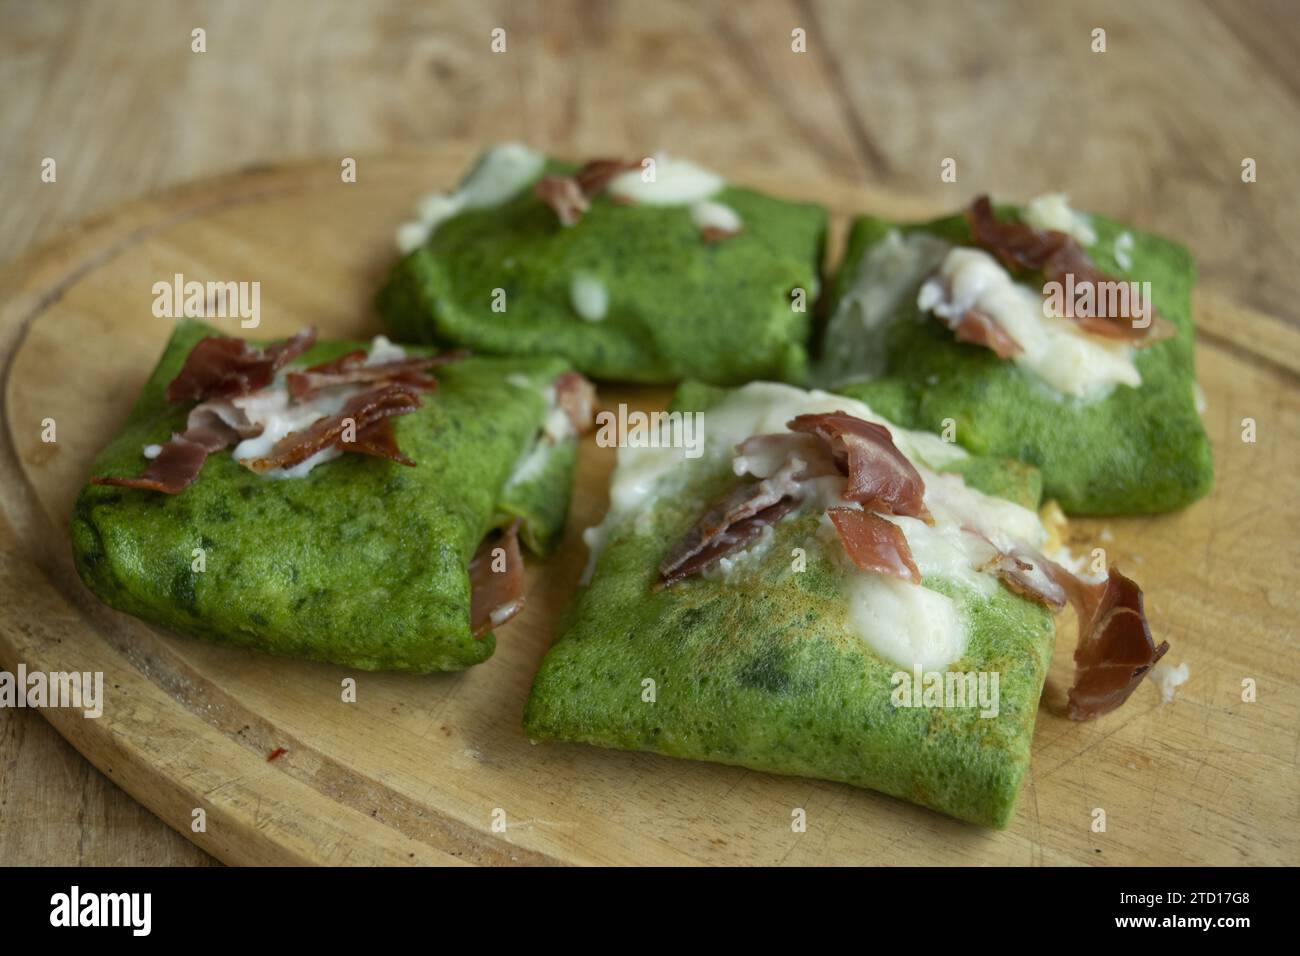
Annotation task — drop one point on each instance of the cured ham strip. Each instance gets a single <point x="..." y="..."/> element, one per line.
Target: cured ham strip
<point x="711" y="531"/>
<point x="874" y="544"/>
<point x="1070" y="259"/>
<point x="496" y="581"/>
<point x="577" y="397"/>
<point x="880" y="476"/>
<point x="713" y="234"/>
<point x="714" y="537"/>
<point x="226" y="369"/>
<point x="1115" y="648"/>
<point x="730" y="524"/>
<point x="570" y="196"/>
<point x="209" y="428"/>
<point x="564" y="195"/>
<point x="765" y="456"/>
<point x="361" y="411"/>
<point x="218" y="424"/>
<point x="379" y="441"/>
<point x="1026" y="574"/>
<point x="340" y="364"/>
<point x="1022" y="248"/>
<point x="351" y="369"/>
<point x="178" y="464"/>
<point x="596" y="174"/>
<point x="978" y="328"/>
<point x="220" y="366"/>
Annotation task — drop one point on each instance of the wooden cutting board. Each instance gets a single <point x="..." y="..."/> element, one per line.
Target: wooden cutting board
<point x="419" y="769"/>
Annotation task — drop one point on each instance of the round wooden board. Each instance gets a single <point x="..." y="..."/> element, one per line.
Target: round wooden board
<point x="418" y="769"/>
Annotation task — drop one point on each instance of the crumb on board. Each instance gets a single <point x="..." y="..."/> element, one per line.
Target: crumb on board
<point x="1169" y="678"/>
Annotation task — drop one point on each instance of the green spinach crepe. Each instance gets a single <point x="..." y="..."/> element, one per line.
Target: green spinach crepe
<point x="859" y="613"/>
<point x="942" y="326"/>
<point x="349" y="558"/>
<point x="685" y="276"/>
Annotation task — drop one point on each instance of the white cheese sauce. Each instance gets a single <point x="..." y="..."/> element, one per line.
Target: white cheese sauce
<point x="532" y="463"/>
<point x="1052" y="211"/>
<point x="1054" y="349"/>
<point x="910" y="626"/>
<point x="589" y="297"/>
<point x="272" y="409"/>
<point x="556" y="428"/>
<point x="676" y="182"/>
<point x="382" y="350"/>
<point x="499" y="176"/>
<point x="1122" y="249"/>
<point x="886" y="276"/>
<point x="716" y="215"/>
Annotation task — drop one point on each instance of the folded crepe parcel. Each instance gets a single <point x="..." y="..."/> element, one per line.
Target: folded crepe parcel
<point x="646" y="270"/>
<point x="782" y="655"/>
<point x="945" y="324"/>
<point x="366" y="560"/>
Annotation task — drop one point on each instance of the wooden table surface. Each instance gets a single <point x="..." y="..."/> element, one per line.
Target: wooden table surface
<point x="1154" y="130"/>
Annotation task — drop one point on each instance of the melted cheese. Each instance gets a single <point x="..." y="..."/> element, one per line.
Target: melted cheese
<point x="906" y="625"/>
<point x="1052" y="211"/>
<point x="532" y="463"/>
<point x="677" y="182"/>
<point x="886" y="276"/>
<point x="382" y="350"/>
<point x="1122" y="248"/>
<point x="499" y="176"/>
<point x="556" y="428"/>
<point x="589" y="297"/>
<point x="273" y="409"/>
<point x="716" y="215"/>
<point x="1055" y="351"/>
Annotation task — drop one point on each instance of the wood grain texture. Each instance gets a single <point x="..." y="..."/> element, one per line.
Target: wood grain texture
<point x="1152" y="131"/>
<point x="416" y="768"/>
